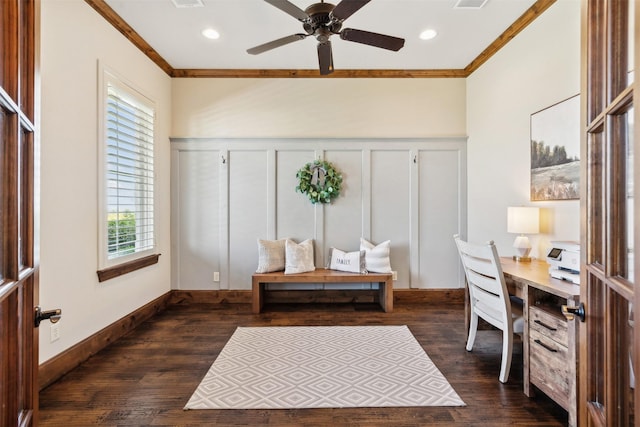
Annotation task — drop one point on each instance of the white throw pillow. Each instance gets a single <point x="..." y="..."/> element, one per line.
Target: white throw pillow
<point x="376" y="257"/>
<point x="299" y="257"/>
<point x="271" y="255"/>
<point x="352" y="262"/>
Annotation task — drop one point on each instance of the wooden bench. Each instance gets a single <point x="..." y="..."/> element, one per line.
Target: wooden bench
<point x="321" y="275"/>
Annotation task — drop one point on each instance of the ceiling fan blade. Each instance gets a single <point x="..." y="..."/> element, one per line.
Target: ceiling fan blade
<point x="346" y="8"/>
<point x="290" y="8"/>
<point x="325" y="58"/>
<point x="372" y="39"/>
<point x="276" y="43"/>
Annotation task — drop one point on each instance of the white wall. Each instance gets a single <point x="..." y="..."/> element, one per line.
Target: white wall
<point x="336" y="113"/>
<point x="537" y="69"/>
<point x="308" y="108"/>
<point x="74" y="38"/>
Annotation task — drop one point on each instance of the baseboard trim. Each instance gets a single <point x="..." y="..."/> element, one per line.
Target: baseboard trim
<point x="54" y="368"/>
<point x="428" y="296"/>
<point x="400" y="296"/>
<point x="210" y="297"/>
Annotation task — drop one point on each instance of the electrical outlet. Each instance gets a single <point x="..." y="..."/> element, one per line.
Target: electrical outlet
<point x="216" y="276"/>
<point x="55" y="332"/>
<point x="394" y="275"/>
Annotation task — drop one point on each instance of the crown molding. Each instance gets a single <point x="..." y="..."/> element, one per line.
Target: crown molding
<point x="126" y="30"/>
<point x="251" y="73"/>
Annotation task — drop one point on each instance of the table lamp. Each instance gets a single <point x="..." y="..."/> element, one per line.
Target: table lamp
<point x="523" y="220"/>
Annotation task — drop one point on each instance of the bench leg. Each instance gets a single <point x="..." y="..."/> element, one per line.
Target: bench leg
<point x="386" y="295"/>
<point x="257" y="294"/>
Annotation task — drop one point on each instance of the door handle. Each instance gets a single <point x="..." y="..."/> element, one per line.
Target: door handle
<point x="571" y="312"/>
<point x="52" y="315"/>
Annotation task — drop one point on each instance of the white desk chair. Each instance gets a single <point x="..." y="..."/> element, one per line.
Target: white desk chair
<point x="489" y="297"/>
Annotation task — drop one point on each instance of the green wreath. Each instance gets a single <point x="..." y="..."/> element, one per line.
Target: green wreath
<point x="320" y="181"/>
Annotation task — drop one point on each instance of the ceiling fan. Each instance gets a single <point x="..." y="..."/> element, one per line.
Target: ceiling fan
<point x="322" y="20"/>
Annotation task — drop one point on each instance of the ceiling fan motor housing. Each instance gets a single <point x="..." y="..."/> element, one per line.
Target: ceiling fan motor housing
<point x="320" y="22"/>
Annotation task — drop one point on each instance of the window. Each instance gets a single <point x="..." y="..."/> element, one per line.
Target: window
<point x="127" y="176"/>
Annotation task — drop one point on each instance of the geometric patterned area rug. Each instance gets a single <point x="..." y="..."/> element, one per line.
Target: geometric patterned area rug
<point x="287" y="367"/>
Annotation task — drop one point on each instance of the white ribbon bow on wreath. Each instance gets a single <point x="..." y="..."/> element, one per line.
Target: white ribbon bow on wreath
<point x="318" y="175"/>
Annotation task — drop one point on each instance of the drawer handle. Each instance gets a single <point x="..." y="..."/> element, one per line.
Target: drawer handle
<point x="544" y="325"/>
<point x="553" y="350"/>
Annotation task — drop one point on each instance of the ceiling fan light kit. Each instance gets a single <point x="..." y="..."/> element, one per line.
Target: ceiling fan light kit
<point x="322" y="20"/>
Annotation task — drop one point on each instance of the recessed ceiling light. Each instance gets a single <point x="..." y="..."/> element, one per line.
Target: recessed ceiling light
<point x="180" y="4"/>
<point x="470" y="4"/>
<point x="428" y="34"/>
<point x="210" y="33"/>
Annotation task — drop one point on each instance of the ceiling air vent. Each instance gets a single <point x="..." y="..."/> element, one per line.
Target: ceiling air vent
<point x="181" y="4"/>
<point x="470" y="4"/>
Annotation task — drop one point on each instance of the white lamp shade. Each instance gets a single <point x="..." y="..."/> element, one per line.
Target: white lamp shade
<point x="523" y="220"/>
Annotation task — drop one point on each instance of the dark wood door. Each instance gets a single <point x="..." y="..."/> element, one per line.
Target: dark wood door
<point x="609" y="359"/>
<point x="18" y="260"/>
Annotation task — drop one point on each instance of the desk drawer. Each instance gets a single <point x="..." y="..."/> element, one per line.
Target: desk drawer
<point x="549" y="325"/>
<point x="549" y="367"/>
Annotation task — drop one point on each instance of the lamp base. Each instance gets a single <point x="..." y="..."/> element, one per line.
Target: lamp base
<point x="517" y="258"/>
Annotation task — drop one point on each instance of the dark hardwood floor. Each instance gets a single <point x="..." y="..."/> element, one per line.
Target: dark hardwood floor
<point x="147" y="377"/>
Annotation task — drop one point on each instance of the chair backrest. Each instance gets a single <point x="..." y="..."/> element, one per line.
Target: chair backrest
<point x="487" y="288"/>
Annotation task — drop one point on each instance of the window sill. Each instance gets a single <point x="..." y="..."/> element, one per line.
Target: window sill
<point x="127" y="267"/>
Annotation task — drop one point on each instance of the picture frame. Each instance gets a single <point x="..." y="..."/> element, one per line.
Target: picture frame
<point x="555" y="151"/>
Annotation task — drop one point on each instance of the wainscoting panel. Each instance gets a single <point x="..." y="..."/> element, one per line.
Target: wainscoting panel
<point x="391" y="206"/>
<point x="229" y="193"/>
<point x="440" y="204"/>
<point x="196" y="196"/>
<point x="343" y="219"/>
<point x="249" y="212"/>
<point x="295" y="215"/>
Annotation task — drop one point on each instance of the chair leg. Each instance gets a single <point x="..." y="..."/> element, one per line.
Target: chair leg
<point x="473" y="328"/>
<point x="507" y="349"/>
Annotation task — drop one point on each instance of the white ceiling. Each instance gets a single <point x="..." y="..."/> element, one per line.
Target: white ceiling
<point x="175" y="33"/>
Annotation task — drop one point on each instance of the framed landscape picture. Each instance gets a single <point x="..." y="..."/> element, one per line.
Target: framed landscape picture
<point x="555" y="151"/>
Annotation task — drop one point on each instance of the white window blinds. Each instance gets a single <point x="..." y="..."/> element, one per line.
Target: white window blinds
<point x="129" y="173"/>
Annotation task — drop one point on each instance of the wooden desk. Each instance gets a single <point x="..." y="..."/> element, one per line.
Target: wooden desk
<point x="550" y="342"/>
